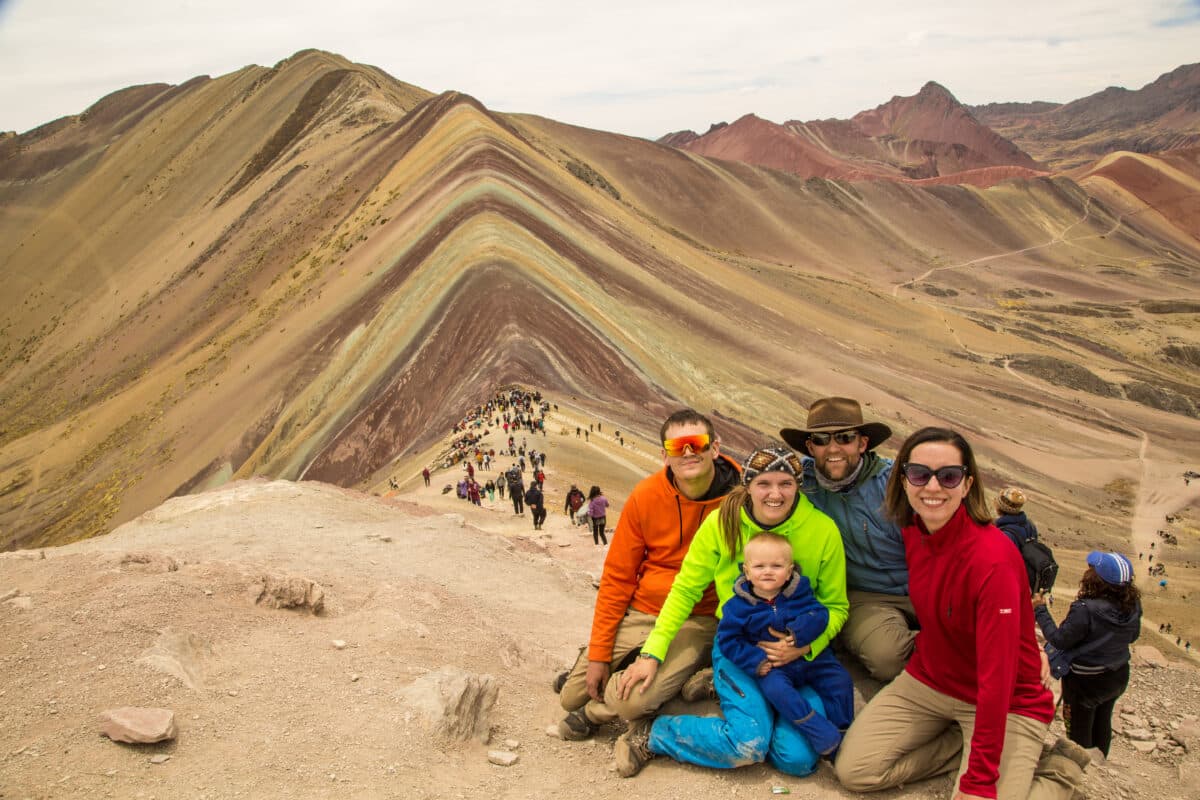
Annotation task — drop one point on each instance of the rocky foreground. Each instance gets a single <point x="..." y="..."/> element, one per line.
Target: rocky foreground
<point x="315" y="642"/>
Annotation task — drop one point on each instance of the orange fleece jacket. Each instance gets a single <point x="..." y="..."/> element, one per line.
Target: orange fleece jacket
<point x="655" y="529"/>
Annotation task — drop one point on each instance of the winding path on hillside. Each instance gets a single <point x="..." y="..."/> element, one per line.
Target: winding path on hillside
<point x="1060" y="238"/>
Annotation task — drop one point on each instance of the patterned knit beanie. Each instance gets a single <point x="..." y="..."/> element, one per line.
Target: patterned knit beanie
<point x="770" y="459"/>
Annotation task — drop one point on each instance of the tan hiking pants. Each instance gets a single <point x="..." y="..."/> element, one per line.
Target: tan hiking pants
<point x="909" y="732"/>
<point x="690" y="650"/>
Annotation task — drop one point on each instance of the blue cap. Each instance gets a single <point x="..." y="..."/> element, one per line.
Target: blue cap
<point x="1112" y="568"/>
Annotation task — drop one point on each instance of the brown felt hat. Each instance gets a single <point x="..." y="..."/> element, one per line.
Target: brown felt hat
<point x="832" y="414"/>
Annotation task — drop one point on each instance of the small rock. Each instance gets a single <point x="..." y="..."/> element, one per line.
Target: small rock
<point x="208" y="592"/>
<point x="1143" y="746"/>
<point x="232" y="693"/>
<point x="354" y="678"/>
<point x="1139" y="735"/>
<point x="21" y="602"/>
<point x="9" y="595"/>
<point x="511" y="744"/>
<point x="338" y="644"/>
<point x="502" y="758"/>
<point x="138" y="725"/>
<point x="552" y="730"/>
<point x="161" y="758"/>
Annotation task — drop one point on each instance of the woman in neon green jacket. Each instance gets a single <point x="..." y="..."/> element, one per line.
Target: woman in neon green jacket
<point x="768" y="499"/>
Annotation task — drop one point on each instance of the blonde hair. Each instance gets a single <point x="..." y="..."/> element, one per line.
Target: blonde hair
<point x="769" y="538"/>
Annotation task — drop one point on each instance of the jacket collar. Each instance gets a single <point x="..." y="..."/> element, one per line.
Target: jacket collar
<point x="743" y="589"/>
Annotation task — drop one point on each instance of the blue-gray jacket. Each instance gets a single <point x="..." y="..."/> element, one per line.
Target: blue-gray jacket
<point x="874" y="548"/>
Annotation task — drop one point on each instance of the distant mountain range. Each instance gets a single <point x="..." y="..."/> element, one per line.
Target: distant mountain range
<point x="932" y="135"/>
<point x="311" y="270"/>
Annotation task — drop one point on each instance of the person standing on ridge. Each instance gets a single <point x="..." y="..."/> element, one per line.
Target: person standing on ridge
<point x="598" y="511"/>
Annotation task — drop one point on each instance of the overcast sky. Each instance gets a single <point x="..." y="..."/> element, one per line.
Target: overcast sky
<point x="644" y="68"/>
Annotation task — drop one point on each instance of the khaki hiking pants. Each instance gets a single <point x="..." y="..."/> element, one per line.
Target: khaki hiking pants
<point x="879" y="632"/>
<point x="908" y="732"/>
<point x="690" y="650"/>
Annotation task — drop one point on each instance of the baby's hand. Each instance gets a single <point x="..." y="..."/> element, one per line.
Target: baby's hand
<point x="764" y="668"/>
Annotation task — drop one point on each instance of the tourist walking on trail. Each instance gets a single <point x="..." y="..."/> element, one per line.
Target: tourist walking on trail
<point x="656" y="526"/>
<point x="768" y="499"/>
<point x="516" y="491"/>
<point x="425" y="475"/>
<point x="537" y="504"/>
<point x="490" y="488"/>
<point x="1104" y="620"/>
<point x="598" y="511"/>
<point x="971" y="699"/>
<point x="574" y="502"/>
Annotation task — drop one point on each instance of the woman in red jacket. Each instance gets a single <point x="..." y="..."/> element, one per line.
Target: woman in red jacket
<point x="976" y="661"/>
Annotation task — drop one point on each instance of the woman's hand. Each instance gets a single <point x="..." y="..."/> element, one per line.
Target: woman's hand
<point x="782" y="650"/>
<point x="1039" y="599"/>
<point x="642" y="671"/>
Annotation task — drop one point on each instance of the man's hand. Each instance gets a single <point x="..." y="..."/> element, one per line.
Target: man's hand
<point x="1039" y="599"/>
<point x="597" y="679"/>
<point x="782" y="650"/>
<point x="641" y="671"/>
<point x="764" y="668"/>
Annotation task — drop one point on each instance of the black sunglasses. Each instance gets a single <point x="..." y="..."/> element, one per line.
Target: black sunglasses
<point x="841" y="437"/>
<point x="947" y="477"/>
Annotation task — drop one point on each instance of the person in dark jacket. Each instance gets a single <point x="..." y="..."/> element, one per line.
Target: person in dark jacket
<point x="1104" y="620"/>
<point x="1012" y="521"/>
<point x="574" y="502"/>
<point x="537" y="504"/>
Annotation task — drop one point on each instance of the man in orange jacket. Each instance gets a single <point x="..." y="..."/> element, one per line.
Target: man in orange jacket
<point x="656" y="527"/>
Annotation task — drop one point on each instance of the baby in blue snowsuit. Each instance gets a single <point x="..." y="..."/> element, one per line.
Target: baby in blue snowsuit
<point x="771" y="594"/>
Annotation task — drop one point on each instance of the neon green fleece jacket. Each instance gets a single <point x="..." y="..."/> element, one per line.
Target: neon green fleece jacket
<point x="816" y="547"/>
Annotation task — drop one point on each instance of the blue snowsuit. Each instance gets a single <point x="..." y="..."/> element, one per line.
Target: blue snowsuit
<point x="745" y="619"/>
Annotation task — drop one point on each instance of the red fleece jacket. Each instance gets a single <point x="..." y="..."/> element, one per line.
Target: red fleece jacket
<point x="977" y="643"/>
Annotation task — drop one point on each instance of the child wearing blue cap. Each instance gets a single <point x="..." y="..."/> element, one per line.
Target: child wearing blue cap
<point x="1104" y="620"/>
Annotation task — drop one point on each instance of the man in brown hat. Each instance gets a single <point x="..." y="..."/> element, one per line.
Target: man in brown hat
<point x="845" y="478"/>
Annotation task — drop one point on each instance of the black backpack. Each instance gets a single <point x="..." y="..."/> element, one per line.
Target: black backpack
<point x="1040" y="565"/>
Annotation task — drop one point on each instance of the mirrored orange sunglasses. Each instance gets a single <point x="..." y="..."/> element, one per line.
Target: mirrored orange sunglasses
<point x="679" y="445"/>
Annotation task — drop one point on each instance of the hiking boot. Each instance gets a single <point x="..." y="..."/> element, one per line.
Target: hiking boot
<point x="560" y="680"/>
<point x="1068" y="749"/>
<point x="699" y="687"/>
<point x="575" y="727"/>
<point x="632" y="750"/>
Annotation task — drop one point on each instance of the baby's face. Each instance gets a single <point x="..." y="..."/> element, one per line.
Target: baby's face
<point x="768" y="567"/>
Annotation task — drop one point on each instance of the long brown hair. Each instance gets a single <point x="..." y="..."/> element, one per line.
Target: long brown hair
<point x="1124" y="596"/>
<point x="895" y="500"/>
<point x="729" y="515"/>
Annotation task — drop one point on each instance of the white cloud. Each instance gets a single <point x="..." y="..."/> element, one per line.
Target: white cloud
<point x="633" y="67"/>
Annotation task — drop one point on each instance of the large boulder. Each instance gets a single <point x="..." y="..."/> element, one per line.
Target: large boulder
<point x="138" y="725"/>
<point x="455" y="704"/>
